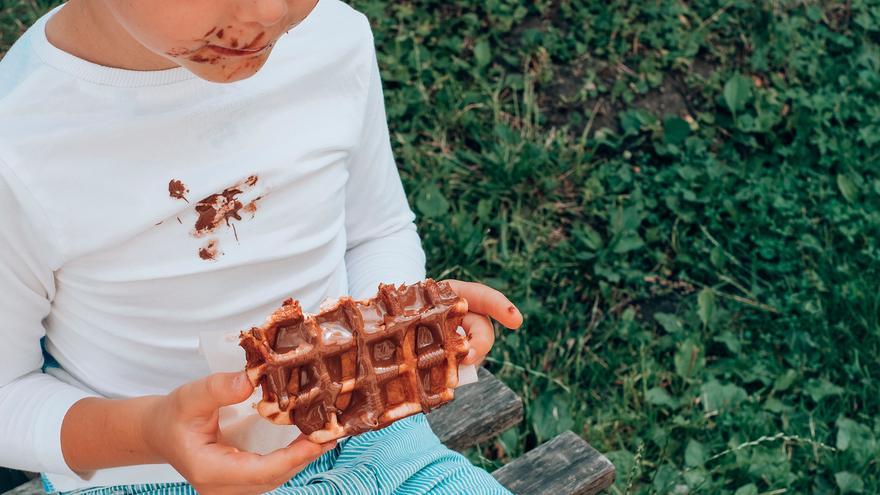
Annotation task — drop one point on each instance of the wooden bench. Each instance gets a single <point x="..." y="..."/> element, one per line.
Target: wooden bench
<point x="565" y="465"/>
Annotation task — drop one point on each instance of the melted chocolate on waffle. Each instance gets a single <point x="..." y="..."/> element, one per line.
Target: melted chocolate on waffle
<point x="358" y="365"/>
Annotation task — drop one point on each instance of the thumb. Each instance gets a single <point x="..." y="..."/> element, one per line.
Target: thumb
<point x="212" y="392"/>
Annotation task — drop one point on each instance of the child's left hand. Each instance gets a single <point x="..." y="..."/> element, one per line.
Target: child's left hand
<point x="484" y="302"/>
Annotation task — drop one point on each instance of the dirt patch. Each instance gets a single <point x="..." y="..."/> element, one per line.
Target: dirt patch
<point x="659" y="303"/>
<point x="565" y="96"/>
<point x="665" y="100"/>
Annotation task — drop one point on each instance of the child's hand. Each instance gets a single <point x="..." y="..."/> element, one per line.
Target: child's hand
<point x="183" y="429"/>
<point x="484" y="302"/>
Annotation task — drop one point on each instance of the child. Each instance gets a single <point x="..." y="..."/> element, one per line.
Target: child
<point x="145" y="204"/>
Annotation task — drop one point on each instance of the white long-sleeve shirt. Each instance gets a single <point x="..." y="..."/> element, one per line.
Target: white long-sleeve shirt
<point x="106" y="258"/>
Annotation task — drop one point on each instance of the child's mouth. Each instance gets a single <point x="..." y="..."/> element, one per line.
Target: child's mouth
<point x="235" y="52"/>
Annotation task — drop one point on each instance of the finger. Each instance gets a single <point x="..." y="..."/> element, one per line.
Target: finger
<point x="482" y="336"/>
<point x="305" y="460"/>
<point x="282" y="464"/>
<point x="213" y="392"/>
<point x="227" y="465"/>
<point x="488" y="301"/>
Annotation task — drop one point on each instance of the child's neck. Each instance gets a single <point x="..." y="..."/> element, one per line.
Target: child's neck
<point x="91" y="33"/>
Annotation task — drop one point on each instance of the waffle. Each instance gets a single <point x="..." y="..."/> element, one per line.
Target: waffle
<point x="358" y="365"/>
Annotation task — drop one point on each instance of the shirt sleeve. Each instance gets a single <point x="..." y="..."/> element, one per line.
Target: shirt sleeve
<point x="32" y="404"/>
<point x="383" y="244"/>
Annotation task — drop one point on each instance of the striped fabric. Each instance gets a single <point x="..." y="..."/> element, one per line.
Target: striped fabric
<point x="404" y="458"/>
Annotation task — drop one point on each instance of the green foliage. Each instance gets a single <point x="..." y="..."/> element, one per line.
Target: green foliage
<point x="684" y="200"/>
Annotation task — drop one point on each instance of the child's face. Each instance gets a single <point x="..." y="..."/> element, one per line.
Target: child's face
<point x="217" y="40"/>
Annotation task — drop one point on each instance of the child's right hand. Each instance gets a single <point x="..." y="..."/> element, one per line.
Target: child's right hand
<point x="183" y="428"/>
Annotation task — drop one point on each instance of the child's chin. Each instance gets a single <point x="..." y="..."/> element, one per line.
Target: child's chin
<point x="227" y="71"/>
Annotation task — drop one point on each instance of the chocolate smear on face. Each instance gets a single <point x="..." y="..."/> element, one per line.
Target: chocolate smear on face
<point x="209" y="251"/>
<point x="201" y="59"/>
<point x="253" y="44"/>
<point x="177" y="190"/>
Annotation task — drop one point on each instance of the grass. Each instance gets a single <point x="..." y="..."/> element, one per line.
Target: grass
<point x="683" y="198"/>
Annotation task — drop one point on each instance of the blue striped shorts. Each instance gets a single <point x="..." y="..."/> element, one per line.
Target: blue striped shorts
<point x="404" y="458"/>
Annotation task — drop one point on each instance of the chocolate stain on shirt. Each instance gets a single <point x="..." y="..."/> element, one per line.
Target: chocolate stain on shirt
<point x="215" y="210"/>
<point x="209" y="251"/>
<point x="221" y="208"/>
<point x="177" y="190"/>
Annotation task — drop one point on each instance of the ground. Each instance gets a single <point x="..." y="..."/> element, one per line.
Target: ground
<point x="683" y="198"/>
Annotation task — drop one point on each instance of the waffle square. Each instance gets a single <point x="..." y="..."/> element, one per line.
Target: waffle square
<point x="358" y="365"/>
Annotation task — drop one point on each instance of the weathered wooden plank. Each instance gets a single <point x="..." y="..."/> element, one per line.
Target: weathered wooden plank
<point x="479" y="412"/>
<point x="567" y="464"/>
<point x="32" y="487"/>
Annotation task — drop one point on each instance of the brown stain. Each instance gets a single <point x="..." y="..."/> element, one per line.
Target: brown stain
<point x="253" y="44"/>
<point x="201" y="59"/>
<point x="215" y="210"/>
<point x="222" y="207"/>
<point x="220" y="34"/>
<point x="210" y="251"/>
<point x="234" y="43"/>
<point x="252" y="206"/>
<point x="209" y="33"/>
<point x="176" y="52"/>
<point x="177" y="189"/>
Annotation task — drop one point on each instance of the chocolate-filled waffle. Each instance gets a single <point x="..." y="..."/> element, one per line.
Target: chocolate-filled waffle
<point x="358" y="365"/>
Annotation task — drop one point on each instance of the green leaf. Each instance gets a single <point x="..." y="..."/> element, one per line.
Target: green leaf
<point x="659" y="397"/>
<point x="775" y="405"/>
<point x="730" y="341"/>
<point x="737" y="91"/>
<point x="669" y="322"/>
<point x="750" y="489"/>
<point x="820" y="389"/>
<point x="484" y="209"/>
<point x="694" y="454"/>
<point x="849" y="482"/>
<point x="482" y="53"/>
<point x="785" y="380"/>
<point x="675" y="130"/>
<point x="629" y="241"/>
<point x="848" y="188"/>
<point x="589" y="237"/>
<point x="625" y="220"/>
<point x="432" y="203"/>
<point x="715" y="396"/>
<point x="551" y="414"/>
<point x="857" y="439"/>
<point x="689" y="360"/>
<point x="665" y="479"/>
<point x="717" y="257"/>
<point x="706" y="305"/>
